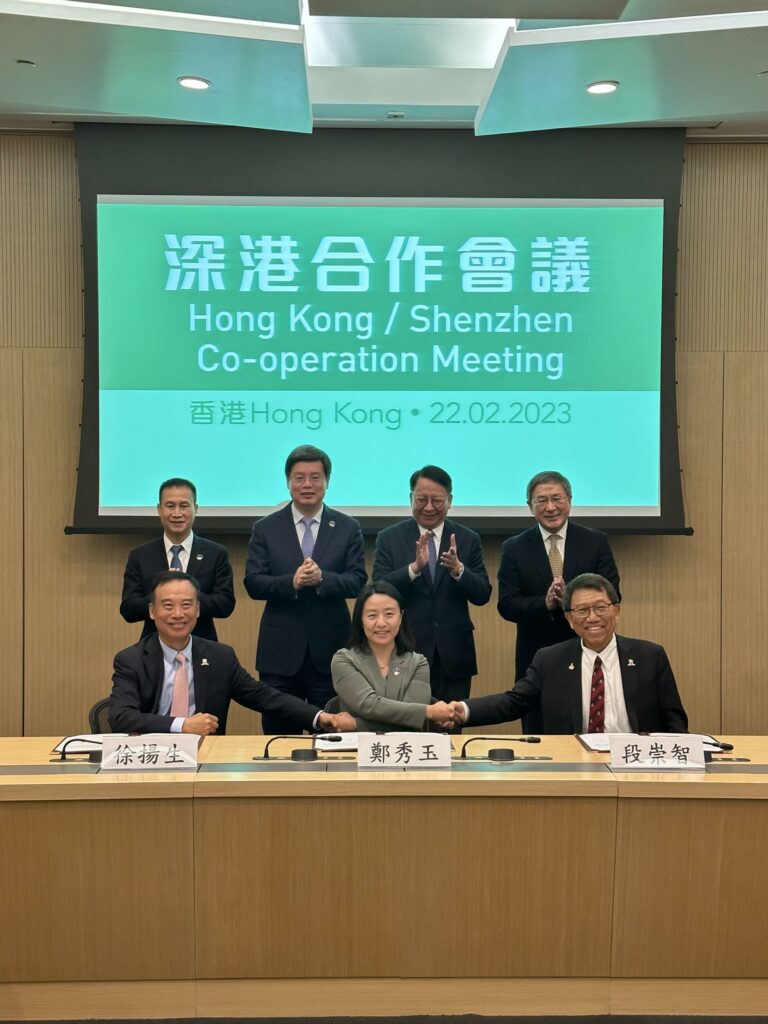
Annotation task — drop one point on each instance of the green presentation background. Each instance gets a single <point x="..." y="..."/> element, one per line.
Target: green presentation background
<point x="149" y="374"/>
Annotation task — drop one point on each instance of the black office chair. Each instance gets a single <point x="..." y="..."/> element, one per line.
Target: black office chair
<point x="98" y="716"/>
<point x="333" y="707"/>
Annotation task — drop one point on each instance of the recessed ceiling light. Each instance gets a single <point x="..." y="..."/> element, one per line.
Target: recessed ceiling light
<point x="601" y="88"/>
<point x="193" y="82"/>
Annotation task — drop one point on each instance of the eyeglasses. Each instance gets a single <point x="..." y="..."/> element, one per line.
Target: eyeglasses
<point x="583" y="611"/>
<point x="558" y="500"/>
<point x="421" y="501"/>
<point x="312" y="478"/>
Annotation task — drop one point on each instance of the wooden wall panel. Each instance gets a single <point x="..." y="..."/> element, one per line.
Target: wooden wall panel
<point x="745" y="527"/>
<point x="41" y="282"/>
<point x="723" y="266"/>
<point x="11" y="541"/>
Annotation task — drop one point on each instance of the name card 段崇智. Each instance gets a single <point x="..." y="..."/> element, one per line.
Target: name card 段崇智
<point x="153" y="752"/>
<point x="403" y="750"/>
<point x="660" y="752"/>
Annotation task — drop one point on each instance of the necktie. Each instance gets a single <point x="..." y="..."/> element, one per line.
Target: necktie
<point x="180" y="701"/>
<point x="555" y="558"/>
<point x="431" y="557"/>
<point x="307" y="541"/>
<point x="597" y="699"/>
<point x="175" y="560"/>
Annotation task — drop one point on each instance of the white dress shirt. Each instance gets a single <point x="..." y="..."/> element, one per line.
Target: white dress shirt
<point x="560" y="534"/>
<point x="184" y="554"/>
<point x="616" y="717"/>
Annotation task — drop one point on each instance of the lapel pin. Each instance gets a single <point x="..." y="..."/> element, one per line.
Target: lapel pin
<point x="571" y="667"/>
<point x="205" y="663"/>
<point x="199" y="558"/>
<point x="631" y="664"/>
<point x="331" y="522"/>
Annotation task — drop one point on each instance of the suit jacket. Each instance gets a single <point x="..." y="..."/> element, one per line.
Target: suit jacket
<point x="525" y="576"/>
<point x="218" y="677"/>
<point x="438" y="615"/>
<point x="553" y="685"/>
<point x="313" y="618"/>
<point x="208" y="563"/>
<point x="397" y="702"/>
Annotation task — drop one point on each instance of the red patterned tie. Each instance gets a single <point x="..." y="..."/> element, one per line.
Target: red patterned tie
<point x="597" y="699"/>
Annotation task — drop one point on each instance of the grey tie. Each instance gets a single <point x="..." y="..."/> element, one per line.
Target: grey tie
<point x="176" y="561"/>
<point x="307" y="541"/>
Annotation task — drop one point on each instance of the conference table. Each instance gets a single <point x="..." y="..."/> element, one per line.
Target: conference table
<point x="252" y="887"/>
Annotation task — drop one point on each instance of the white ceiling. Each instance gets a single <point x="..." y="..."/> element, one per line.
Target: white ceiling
<point x="401" y="63"/>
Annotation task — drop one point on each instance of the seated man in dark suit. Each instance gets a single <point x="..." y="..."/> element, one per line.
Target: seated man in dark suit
<point x="437" y="588"/>
<point x="304" y="561"/>
<point x="599" y="682"/>
<point x="181" y="550"/>
<point x="171" y="681"/>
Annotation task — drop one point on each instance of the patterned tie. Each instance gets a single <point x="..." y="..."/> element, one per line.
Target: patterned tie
<point x="431" y="557"/>
<point x="597" y="699"/>
<point x="180" y="701"/>
<point x="555" y="558"/>
<point x="307" y="541"/>
<point x="175" y="560"/>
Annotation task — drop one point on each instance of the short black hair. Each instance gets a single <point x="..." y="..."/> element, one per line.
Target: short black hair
<point x="357" y="637"/>
<point x="172" y="576"/>
<point x="548" y="476"/>
<point x="176" y="481"/>
<point x="589" y="581"/>
<point x="308" y="453"/>
<point x="435" y="474"/>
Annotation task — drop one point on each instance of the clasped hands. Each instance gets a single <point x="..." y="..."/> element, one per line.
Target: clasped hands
<point x="309" y="574"/>
<point x="554" y="596"/>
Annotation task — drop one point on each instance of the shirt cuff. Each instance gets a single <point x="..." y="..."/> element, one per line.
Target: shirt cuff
<point x="466" y="711"/>
<point x="177" y="724"/>
<point x="413" y="575"/>
<point x="316" y="722"/>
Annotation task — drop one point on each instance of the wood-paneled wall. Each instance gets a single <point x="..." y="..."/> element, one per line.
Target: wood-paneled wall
<point x="700" y="596"/>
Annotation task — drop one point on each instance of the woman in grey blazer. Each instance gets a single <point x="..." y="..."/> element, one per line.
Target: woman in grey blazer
<point x="379" y="678"/>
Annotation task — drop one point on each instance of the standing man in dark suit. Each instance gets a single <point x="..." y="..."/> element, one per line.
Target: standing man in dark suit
<point x="174" y="682"/>
<point x="181" y="550"/>
<point x="598" y="683"/>
<point x="304" y="560"/>
<point x="536" y="565"/>
<point x="437" y="565"/>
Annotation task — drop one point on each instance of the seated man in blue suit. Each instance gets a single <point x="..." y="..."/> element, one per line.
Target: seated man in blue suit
<point x="172" y="681"/>
<point x="595" y="682"/>
<point x="304" y="561"/>
<point x="437" y="586"/>
<point x="180" y="549"/>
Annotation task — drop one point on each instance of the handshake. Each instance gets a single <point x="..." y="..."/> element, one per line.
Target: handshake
<point x="447" y="716"/>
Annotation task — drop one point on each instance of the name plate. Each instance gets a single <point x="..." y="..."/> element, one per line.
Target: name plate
<point x="152" y="752"/>
<point x="659" y="753"/>
<point x="403" y="750"/>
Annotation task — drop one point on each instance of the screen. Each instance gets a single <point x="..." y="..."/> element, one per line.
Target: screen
<point x="495" y="338"/>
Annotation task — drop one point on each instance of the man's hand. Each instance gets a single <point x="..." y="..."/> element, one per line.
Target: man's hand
<point x="422" y="553"/>
<point x="201" y="724"/>
<point x="341" y="722"/>
<point x="309" y="574"/>
<point x="459" y="711"/>
<point x="442" y="714"/>
<point x="554" y="597"/>
<point x="450" y="560"/>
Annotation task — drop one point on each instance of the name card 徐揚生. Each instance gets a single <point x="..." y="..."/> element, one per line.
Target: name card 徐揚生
<point x="403" y="750"/>
<point x="658" y="753"/>
<point x="152" y="752"/>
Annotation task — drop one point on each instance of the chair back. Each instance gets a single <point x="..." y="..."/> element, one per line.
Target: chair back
<point x="98" y="716"/>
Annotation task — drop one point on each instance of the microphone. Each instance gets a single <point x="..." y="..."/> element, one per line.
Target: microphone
<point x="500" y="753"/>
<point x="298" y="754"/>
<point x="720" y="744"/>
<point x="94" y="755"/>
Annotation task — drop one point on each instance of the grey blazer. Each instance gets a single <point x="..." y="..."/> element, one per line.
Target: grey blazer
<point x="378" y="704"/>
